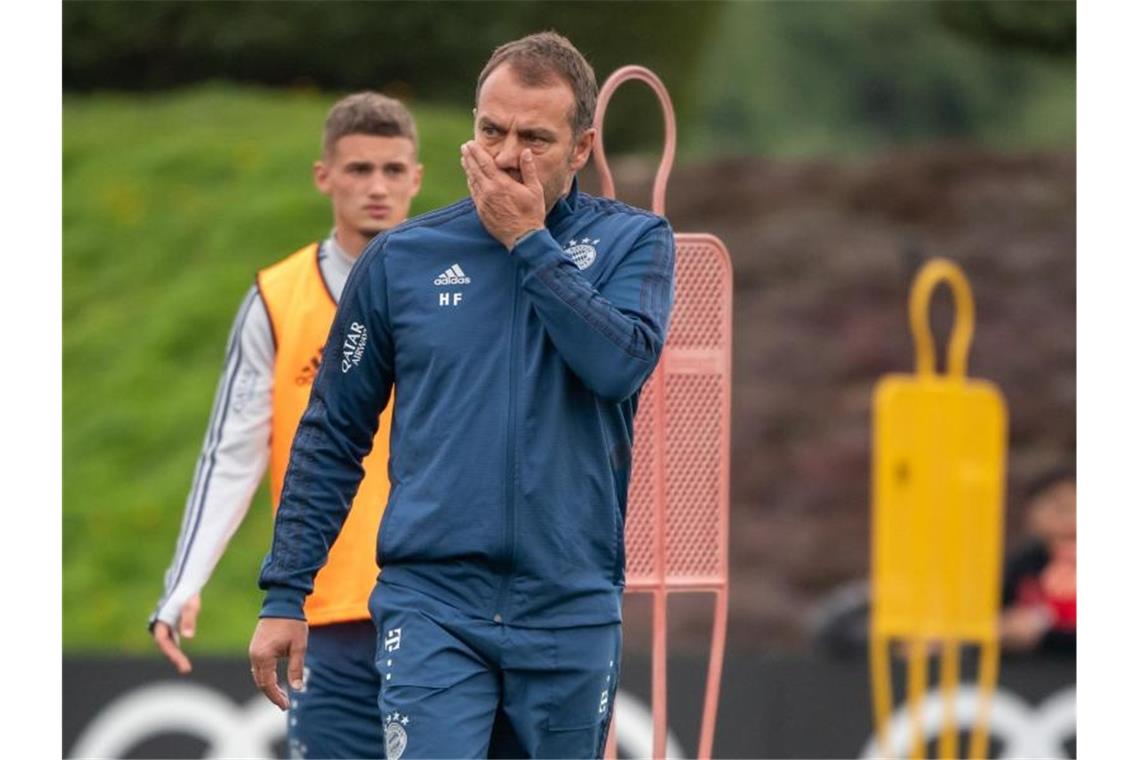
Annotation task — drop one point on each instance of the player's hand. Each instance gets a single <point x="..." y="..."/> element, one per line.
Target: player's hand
<point x="188" y="617"/>
<point x="273" y="639"/>
<point x="506" y="206"/>
<point x="1023" y="627"/>
<point x="167" y="640"/>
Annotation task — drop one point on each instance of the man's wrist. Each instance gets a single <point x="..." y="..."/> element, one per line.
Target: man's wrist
<point x="282" y="602"/>
<point x="524" y="235"/>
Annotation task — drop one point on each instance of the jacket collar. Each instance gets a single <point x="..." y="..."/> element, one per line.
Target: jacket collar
<point x="564" y="206"/>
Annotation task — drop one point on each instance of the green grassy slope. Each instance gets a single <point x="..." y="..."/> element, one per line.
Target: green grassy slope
<point x="170" y="205"/>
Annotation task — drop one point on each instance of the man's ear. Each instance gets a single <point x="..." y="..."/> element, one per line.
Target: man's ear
<point x="321" y="177"/>
<point x="417" y="179"/>
<point x="583" y="147"/>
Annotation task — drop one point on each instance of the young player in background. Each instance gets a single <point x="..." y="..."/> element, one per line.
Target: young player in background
<point x="370" y="172"/>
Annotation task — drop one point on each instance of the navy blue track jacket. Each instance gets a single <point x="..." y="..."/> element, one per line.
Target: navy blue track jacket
<point x="516" y="380"/>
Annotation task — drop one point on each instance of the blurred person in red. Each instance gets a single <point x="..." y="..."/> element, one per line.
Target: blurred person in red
<point x="1039" y="587"/>
<point x="370" y="172"/>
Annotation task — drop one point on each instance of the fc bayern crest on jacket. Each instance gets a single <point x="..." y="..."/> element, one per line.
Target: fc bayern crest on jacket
<point x="582" y="252"/>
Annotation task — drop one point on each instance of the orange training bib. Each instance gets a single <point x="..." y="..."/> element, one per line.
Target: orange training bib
<point x="301" y="311"/>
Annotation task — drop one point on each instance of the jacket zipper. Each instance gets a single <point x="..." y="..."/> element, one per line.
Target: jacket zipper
<point x="511" y="464"/>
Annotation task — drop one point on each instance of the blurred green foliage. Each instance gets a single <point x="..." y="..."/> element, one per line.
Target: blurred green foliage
<point x="815" y="78"/>
<point x="421" y="50"/>
<point x="775" y="78"/>
<point x="1042" y="26"/>
<point x="171" y="204"/>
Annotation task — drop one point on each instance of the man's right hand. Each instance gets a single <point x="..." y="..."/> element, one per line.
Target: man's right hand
<point x="273" y="639"/>
<point x="167" y="640"/>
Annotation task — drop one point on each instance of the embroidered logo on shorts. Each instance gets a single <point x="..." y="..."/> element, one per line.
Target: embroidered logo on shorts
<point x="395" y="735"/>
<point x="392" y="640"/>
<point x="583" y="252"/>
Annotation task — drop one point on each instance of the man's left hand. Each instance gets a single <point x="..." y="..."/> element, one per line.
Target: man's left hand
<point x="508" y="208"/>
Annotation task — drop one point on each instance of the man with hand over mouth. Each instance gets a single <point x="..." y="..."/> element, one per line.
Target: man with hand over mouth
<point x="517" y="328"/>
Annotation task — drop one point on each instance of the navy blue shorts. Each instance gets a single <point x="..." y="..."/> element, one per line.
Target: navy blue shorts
<point x="336" y="714"/>
<point x="458" y="687"/>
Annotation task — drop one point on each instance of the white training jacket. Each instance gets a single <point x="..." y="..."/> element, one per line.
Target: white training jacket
<point x="235" y="452"/>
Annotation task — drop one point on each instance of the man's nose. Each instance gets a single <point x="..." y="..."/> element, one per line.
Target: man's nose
<point x="378" y="185"/>
<point x="509" y="152"/>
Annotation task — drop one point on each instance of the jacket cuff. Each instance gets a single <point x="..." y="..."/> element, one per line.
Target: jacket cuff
<point x="538" y="248"/>
<point x="281" y="602"/>
<point x="158" y="617"/>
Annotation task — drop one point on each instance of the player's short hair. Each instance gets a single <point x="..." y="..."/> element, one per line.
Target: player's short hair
<point x="1046" y="480"/>
<point x="537" y="59"/>
<point x="368" y="113"/>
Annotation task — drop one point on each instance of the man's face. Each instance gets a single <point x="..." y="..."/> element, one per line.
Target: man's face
<point x="511" y="117"/>
<point x="1053" y="513"/>
<point x="371" y="181"/>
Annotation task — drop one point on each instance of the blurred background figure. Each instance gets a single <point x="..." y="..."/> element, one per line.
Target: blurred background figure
<point x="1039" y="587"/>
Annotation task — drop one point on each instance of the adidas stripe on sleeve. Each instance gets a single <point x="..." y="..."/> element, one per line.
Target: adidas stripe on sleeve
<point x="235" y="454"/>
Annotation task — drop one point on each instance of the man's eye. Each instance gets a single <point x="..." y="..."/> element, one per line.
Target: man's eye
<point x="358" y="169"/>
<point x="394" y="171"/>
<point x="490" y="131"/>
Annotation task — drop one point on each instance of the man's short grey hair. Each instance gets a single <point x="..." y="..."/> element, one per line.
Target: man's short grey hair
<point x="539" y="58"/>
<point x="368" y="113"/>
